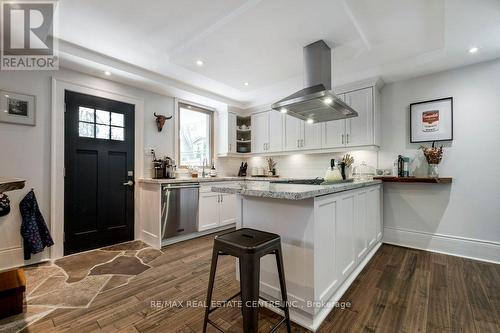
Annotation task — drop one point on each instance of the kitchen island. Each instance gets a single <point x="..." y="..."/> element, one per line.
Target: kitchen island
<point x="328" y="234"/>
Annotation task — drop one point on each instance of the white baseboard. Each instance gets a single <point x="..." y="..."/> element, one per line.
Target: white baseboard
<point x="446" y="244"/>
<point x="14" y="257"/>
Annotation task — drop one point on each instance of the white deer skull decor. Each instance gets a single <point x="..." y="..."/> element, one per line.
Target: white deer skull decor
<point x="160" y="121"/>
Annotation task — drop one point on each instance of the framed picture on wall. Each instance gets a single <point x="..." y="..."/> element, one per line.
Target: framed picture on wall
<point x="16" y="108"/>
<point x="431" y="120"/>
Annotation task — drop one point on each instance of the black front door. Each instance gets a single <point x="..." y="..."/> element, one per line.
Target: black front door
<point x="99" y="162"/>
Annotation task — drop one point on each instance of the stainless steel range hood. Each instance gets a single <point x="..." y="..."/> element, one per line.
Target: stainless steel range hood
<point x="316" y="102"/>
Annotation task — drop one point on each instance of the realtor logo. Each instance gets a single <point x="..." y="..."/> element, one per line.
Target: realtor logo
<point x="28" y="30"/>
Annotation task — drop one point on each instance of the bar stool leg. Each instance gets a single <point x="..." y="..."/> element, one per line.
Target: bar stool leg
<point x="284" y="297"/>
<point x="211" y="281"/>
<point x="249" y="284"/>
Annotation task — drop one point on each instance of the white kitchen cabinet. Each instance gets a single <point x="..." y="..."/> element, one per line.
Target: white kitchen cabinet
<point x="208" y="211"/>
<point x="374" y="220"/>
<point x="275" y="142"/>
<point x="361" y="227"/>
<point x="362" y="130"/>
<point x="300" y="135"/>
<point x="292" y="133"/>
<point x="359" y="130"/>
<point x="215" y="209"/>
<point x="260" y="132"/>
<point x="227" y="209"/>
<point x="226" y="133"/>
<point x="275" y="132"/>
<point x="334" y="132"/>
<point x="267" y="132"/>
<point x="345" y="256"/>
<point x="311" y="135"/>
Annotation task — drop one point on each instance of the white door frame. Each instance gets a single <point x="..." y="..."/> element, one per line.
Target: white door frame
<point x="59" y="86"/>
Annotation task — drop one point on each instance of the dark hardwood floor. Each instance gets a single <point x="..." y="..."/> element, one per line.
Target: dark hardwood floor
<point x="400" y="290"/>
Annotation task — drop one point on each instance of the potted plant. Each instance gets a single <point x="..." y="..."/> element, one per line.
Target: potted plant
<point x="271" y="165"/>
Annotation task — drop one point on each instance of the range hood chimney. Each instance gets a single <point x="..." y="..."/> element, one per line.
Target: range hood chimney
<point x="316" y="102"/>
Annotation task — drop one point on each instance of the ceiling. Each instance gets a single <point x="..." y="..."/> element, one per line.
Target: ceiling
<point x="260" y="41"/>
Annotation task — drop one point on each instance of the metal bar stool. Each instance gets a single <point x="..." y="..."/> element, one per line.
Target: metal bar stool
<point x="248" y="245"/>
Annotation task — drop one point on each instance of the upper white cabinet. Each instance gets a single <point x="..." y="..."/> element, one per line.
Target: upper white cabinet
<point x="260" y="132"/>
<point x="226" y="133"/>
<point x="267" y="132"/>
<point x="274" y="132"/>
<point x="275" y="142"/>
<point x="300" y="136"/>
<point x="292" y="132"/>
<point x="312" y="135"/>
<point x="359" y="130"/>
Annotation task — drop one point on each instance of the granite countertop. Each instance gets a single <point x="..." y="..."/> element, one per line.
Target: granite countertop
<point x="289" y="191"/>
<point x="206" y="180"/>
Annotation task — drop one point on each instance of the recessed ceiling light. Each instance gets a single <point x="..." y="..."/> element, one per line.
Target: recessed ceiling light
<point x="107" y="73"/>
<point x="473" y="49"/>
<point x="199" y="62"/>
<point x="7" y="96"/>
<point x="283" y="110"/>
<point x="5" y="111"/>
<point x="245" y="83"/>
<point x="310" y="121"/>
<point x="328" y="100"/>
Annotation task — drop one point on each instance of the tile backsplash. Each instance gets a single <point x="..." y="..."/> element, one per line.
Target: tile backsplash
<point x="295" y="165"/>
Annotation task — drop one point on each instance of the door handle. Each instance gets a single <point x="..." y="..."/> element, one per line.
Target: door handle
<point x="129" y="183"/>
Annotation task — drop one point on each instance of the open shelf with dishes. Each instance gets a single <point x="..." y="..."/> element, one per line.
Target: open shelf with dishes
<point x="243" y="134"/>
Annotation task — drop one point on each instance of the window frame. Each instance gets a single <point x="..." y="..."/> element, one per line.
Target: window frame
<point x="211" y="116"/>
<point x="95" y="124"/>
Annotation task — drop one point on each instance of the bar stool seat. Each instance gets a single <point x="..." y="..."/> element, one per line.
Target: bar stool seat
<point x="249" y="246"/>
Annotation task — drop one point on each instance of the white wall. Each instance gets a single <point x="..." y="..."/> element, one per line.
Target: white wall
<point x="462" y="218"/>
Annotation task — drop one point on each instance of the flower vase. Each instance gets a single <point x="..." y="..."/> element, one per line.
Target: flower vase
<point x="434" y="170"/>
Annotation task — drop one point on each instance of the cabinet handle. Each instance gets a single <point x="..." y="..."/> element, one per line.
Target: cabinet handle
<point x="221" y="198"/>
<point x="347" y="136"/>
<point x="342" y="138"/>
<point x="298" y="143"/>
<point x="302" y="143"/>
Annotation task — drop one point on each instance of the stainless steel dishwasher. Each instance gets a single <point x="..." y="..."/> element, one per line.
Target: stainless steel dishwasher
<point x="179" y="212"/>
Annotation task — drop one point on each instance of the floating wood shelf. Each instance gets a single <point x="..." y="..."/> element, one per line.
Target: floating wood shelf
<point x="11" y="184"/>
<point x="427" y="180"/>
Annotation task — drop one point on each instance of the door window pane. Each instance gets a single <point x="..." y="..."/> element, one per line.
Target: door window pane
<point x="86" y="130"/>
<point x="102" y="132"/>
<point x="194" y="137"/>
<point x="102" y="117"/>
<point x="117" y="119"/>
<point x="117" y="133"/>
<point x="86" y="114"/>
